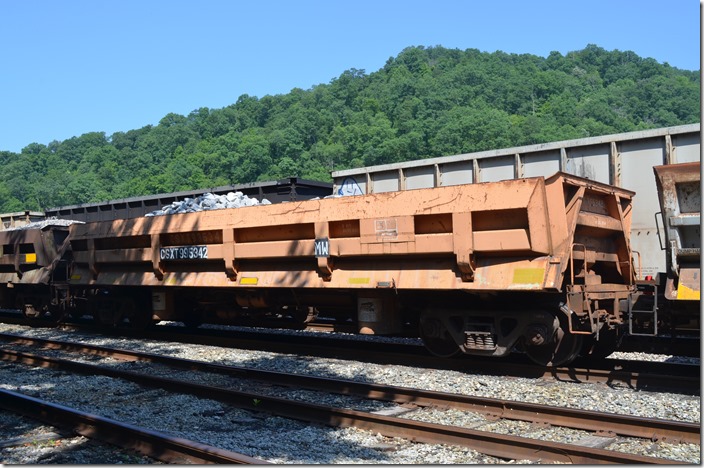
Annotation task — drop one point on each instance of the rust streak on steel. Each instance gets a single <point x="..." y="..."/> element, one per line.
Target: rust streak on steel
<point x="498" y="445"/>
<point x="151" y="443"/>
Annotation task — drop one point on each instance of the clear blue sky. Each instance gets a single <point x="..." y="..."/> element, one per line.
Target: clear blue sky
<point x="75" y="66"/>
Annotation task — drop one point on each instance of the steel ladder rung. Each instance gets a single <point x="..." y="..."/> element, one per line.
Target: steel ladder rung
<point x="653" y="312"/>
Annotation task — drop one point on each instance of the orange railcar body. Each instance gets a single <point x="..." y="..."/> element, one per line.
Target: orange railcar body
<point x="524" y="234"/>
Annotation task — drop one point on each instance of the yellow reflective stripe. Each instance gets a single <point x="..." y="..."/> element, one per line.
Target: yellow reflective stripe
<point x="683" y="292"/>
<point x="528" y="275"/>
<point x="358" y="281"/>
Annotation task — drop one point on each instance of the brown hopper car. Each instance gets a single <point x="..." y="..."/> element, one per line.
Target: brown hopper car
<point x="542" y="265"/>
<point x="34" y="270"/>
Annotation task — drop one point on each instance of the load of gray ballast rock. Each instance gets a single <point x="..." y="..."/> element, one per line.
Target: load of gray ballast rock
<point x="209" y="201"/>
<point x="53" y="221"/>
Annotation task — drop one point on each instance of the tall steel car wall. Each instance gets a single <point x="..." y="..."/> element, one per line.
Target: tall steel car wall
<point x="624" y="160"/>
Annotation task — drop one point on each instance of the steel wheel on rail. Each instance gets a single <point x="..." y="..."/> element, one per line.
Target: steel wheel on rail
<point x="193" y="320"/>
<point x="193" y="316"/>
<point x="436" y="336"/>
<point x="606" y="344"/>
<point x="189" y="311"/>
<point x="562" y="349"/>
<point x="38" y="309"/>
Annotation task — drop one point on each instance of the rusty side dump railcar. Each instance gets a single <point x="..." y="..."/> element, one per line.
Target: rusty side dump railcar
<point x="679" y="192"/>
<point x="33" y="270"/>
<point x="541" y="264"/>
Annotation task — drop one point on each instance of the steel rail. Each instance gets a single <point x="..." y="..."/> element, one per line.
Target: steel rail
<point x="601" y="423"/>
<point x="379" y="353"/>
<point x="679" y="346"/>
<point x="688" y="383"/>
<point x="151" y="443"/>
<point x="498" y="445"/>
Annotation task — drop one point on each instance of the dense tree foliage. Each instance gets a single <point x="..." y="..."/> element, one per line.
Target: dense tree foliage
<point x="423" y="103"/>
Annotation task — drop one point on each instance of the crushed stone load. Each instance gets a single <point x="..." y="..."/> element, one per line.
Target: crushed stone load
<point x="53" y="221"/>
<point x="209" y="201"/>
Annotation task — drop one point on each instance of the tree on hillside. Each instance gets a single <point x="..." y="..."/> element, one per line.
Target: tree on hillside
<point x="425" y="102"/>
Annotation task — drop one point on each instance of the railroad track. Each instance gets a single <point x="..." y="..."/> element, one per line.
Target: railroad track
<point x="29" y="440"/>
<point x="492" y="444"/>
<point x="686" y="345"/>
<point x="653" y="376"/>
<point x="148" y="442"/>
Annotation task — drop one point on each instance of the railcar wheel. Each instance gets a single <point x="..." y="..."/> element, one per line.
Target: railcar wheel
<point x="105" y="311"/>
<point x="32" y="312"/>
<point x="40" y="310"/>
<point x="193" y="320"/>
<point x="55" y="314"/>
<point x="436" y="337"/>
<point x="191" y="314"/>
<point x="136" y="319"/>
<point x="606" y="344"/>
<point x="562" y="350"/>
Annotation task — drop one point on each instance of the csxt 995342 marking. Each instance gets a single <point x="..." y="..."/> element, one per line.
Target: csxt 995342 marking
<point x="189" y="252"/>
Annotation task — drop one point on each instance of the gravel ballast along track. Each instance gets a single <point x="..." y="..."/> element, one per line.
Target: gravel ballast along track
<point x="281" y="440"/>
<point x="24" y="441"/>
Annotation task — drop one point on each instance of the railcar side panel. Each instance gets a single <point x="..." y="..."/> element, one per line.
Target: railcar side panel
<point x="514" y="234"/>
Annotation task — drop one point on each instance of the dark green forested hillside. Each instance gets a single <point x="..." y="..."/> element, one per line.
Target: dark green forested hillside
<point x="423" y="103"/>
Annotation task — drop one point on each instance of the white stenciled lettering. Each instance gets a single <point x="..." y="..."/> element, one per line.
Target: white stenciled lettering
<point x="190" y="252"/>
<point x="322" y="247"/>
